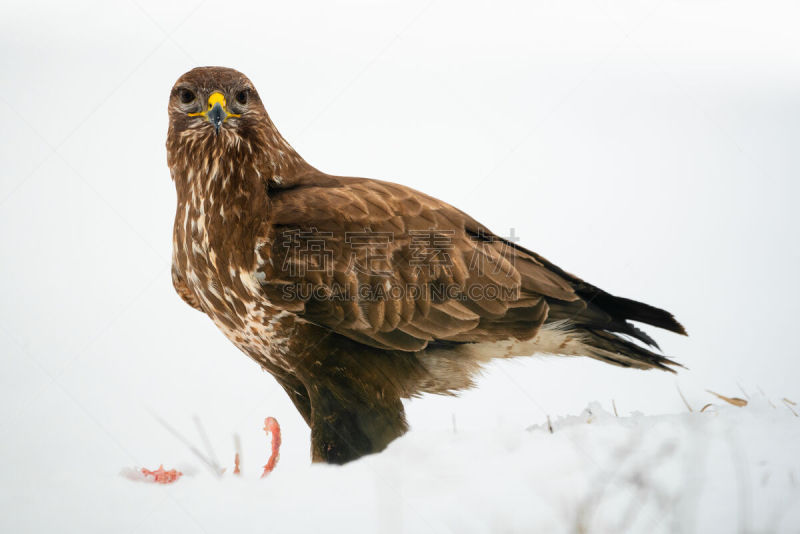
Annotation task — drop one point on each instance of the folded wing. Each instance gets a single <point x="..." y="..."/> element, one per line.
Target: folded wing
<point x="396" y="269"/>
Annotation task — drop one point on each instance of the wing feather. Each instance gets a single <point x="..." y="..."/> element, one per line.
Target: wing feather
<point x="386" y="293"/>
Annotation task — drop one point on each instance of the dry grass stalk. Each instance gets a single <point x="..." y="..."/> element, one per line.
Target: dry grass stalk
<point x="736" y="401"/>
<point x="789" y="405"/>
<point x="683" y="398"/>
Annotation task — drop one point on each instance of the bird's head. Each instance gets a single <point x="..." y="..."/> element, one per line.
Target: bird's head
<point x="215" y="113"/>
<point x="208" y="101"/>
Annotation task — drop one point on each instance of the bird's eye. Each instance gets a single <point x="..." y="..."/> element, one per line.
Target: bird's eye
<point x="241" y="97"/>
<point x="186" y="96"/>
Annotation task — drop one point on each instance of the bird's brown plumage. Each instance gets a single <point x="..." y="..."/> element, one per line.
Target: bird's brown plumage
<point x="355" y="293"/>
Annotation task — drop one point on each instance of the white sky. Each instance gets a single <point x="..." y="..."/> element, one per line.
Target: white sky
<point x="649" y="147"/>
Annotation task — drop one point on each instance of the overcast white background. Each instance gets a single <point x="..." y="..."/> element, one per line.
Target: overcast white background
<point x="649" y="147"/>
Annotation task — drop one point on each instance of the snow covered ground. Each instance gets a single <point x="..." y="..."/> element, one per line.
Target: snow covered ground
<point x="727" y="469"/>
<point x="649" y="146"/>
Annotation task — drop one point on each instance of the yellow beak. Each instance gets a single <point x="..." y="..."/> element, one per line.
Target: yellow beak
<point x="216" y="112"/>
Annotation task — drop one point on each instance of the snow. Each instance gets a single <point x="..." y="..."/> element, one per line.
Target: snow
<point x="726" y="469"/>
<point x="649" y="147"/>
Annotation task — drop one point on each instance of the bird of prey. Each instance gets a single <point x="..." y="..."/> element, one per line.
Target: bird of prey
<point x="357" y="293"/>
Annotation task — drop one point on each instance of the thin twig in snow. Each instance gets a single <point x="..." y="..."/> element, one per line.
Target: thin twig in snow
<point x="683" y="398"/>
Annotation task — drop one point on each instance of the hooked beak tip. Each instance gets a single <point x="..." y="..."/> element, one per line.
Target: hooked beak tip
<point x="216" y="115"/>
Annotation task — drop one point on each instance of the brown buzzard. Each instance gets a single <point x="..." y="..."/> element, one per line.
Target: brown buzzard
<point x="356" y="293"/>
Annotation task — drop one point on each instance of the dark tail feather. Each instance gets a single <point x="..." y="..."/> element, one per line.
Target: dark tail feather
<point x="620" y="307"/>
<point x="598" y="315"/>
<point x="611" y="348"/>
<point x="599" y="310"/>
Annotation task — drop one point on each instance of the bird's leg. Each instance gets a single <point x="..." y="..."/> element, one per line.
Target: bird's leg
<point x="351" y="402"/>
<point x="350" y="419"/>
<point x="354" y="394"/>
